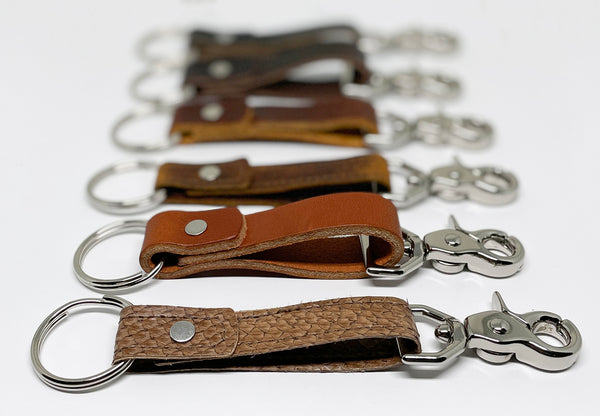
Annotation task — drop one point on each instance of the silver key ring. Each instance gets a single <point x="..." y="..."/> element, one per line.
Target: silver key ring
<point x="128" y="206"/>
<point x="170" y="98"/>
<point x="104" y="233"/>
<point x="82" y="384"/>
<point x="156" y="144"/>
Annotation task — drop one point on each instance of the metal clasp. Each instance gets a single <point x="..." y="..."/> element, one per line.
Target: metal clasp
<point x="492" y="253"/>
<point x="500" y="334"/>
<point x="455" y="182"/>
<point x="463" y="132"/>
<point x="414" y="40"/>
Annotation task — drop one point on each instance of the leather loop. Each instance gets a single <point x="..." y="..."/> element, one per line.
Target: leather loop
<point x="242" y="74"/>
<point x="211" y="45"/>
<point x="335" y="120"/>
<point x="313" y="238"/>
<point x="237" y="183"/>
<point x="348" y="334"/>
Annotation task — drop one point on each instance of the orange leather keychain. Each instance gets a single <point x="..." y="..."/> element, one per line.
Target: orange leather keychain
<point x="338" y="236"/>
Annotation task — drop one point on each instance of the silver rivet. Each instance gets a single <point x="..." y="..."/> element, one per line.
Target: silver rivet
<point x="499" y="326"/>
<point x="209" y="172"/>
<point x="220" y="69"/>
<point x="196" y="227"/>
<point x="182" y="331"/>
<point x="225" y="38"/>
<point x="454" y="174"/>
<point x="212" y="112"/>
<point x="453" y="240"/>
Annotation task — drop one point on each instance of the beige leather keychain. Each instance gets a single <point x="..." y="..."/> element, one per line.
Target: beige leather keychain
<point x="337" y="335"/>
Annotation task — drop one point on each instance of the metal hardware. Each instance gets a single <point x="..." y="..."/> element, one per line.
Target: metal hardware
<point x="220" y="68"/>
<point x="182" y="331"/>
<point x="464" y="132"/>
<point x="82" y="384"/>
<point x="491" y="253"/>
<point x="209" y="172"/>
<point x="454" y="182"/>
<point x="196" y="227"/>
<point x="212" y="112"/>
<point x="169" y="140"/>
<point x="104" y="233"/>
<point x="128" y="206"/>
<point x="408" y="84"/>
<point x="161" y="98"/>
<point x="500" y="334"/>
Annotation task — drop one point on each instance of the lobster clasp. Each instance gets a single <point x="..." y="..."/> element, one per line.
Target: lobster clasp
<point x="487" y="185"/>
<point x="467" y="133"/>
<point x="500" y="334"/>
<point x="491" y="253"/>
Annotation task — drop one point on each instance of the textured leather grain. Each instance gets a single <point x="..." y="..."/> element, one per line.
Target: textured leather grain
<point x="210" y="45"/>
<point x="326" y="119"/>
<point x="312" y="238"/>
<point x="348" y="334"/>
<point x="241" y="184"/>
<point x="247" y="73"/>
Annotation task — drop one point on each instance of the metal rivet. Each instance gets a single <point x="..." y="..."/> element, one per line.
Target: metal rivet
<point x="225" y="38"/>
<point x="212" y="112"/>
<point x="196" y="227"/>
<point x="220" y="69"/>
<point x="499" y="326"/>
<point x="453" y="240"/>
<point x="209" y="172"/>
<point x="182" y="331"/>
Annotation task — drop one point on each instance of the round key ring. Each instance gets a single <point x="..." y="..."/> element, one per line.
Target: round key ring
<point x="129" y="206"/>
<point x="81" y="384"/>
<point x="104" y="233"/>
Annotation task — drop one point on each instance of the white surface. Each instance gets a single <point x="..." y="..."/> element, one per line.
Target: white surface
<point x="532" y="68"/>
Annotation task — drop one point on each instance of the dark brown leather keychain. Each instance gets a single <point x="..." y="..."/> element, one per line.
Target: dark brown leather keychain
<point x="339" y="236"/>
<point x="337" y="335"/>
<point x="238" y="183"/>
<point x="206" y="45"/>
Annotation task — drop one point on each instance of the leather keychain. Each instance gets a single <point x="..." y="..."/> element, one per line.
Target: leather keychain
<point x="323" y="119"/>
<point x="206" y="45"/>
<point x="339" y="236"/>
<point x="237" y="183"/>
<point x="338" y="335"/>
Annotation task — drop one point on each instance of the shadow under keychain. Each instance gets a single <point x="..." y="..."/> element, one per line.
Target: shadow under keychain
<point x="339" y="236"/>
<point x="339" y="335"/>
<point x="237" y="183"/>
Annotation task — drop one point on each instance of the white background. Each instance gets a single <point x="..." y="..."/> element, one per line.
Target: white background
<point x="532" y="68"/>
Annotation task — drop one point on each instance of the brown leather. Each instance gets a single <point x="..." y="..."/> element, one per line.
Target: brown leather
<point x="248" y="73"/>
<point x="242" y="184"/>
<point x="348" y="334"/>
<point x="211" y="45"/>
<point x="313" y="238"/>
<point x="335" y="120"/>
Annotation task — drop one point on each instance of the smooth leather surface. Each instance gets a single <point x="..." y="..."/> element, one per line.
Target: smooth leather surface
<point x="241" y="184"/>
<point x="248" y="73"/>
<point x="210" y="45"/>
<point x="312" y="238"/>
<point x="325" y="119"/>
<point x="347" y="334"/>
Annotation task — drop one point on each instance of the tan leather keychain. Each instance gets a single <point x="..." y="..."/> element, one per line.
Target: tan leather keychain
<point x="338" y="236"/>
<point x="337" y="335"/>
<point x="239" y="183"/>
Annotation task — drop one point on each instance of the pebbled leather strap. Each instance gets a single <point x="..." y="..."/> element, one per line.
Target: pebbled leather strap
<point x="227" y="76"/>
<point x="312" y="238"/>
<point x="335" y="120"/>
<point x="238" y="183"/>
<point x="211" y="45"/>
<point x="347" y="334"/>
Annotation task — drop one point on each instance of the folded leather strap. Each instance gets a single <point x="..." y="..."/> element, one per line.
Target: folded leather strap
<point x="210" y="45"/>
<point x="348" y="334"/>
<point x="334" y="120"/>
<point x="313" y="238"/>
<point x="238" y="75"/>
<point x="238" y="183"/>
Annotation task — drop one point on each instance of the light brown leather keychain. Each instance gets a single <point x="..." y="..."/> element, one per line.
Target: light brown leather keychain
<point x="337" y="335"/>
<point x="339" y="236"/>
<point x="238" y="183"/>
